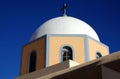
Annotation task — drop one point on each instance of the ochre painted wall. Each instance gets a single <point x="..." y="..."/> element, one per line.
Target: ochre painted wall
<point x="56" y="42"/>
<point x="54" y="45"/>
<point x="94" y="47"/>
<point x="39" y="47"/>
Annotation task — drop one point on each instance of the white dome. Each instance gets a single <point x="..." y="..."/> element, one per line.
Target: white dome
<point x="65" y="25"/>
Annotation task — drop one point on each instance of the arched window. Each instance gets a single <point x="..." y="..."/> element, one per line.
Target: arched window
<point x="98" y="55"/>
<point x="32" y="61"/>
<point x="67" y="53"/>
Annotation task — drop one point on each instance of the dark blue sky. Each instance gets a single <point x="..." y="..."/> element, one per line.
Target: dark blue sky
<point x="20" y="18"/>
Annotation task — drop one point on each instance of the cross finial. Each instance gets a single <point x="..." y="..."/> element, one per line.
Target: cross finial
<point x="64" y="9"/>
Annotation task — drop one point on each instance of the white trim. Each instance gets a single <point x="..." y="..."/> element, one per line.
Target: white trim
<point x="86" y="49"/>
<point x="47" y="50"/>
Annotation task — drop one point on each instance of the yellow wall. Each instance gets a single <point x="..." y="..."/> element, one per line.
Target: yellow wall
<point x="94" y="47"/>
<point x="39" y="47"/>
<point x="56" y="42"/>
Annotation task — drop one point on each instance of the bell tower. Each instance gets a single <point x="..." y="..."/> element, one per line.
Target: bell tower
<point x="60" y="39"/>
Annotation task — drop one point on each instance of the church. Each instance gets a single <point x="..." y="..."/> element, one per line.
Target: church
<point x="65" y="47"/>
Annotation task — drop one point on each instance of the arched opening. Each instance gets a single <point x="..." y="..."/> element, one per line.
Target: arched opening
<point x="98" y="55"/>
<point x="67" y="53"/>
<point x="32" y="61"/>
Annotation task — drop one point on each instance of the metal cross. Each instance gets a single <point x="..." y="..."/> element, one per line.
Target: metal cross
<point x="64" y="9"/>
